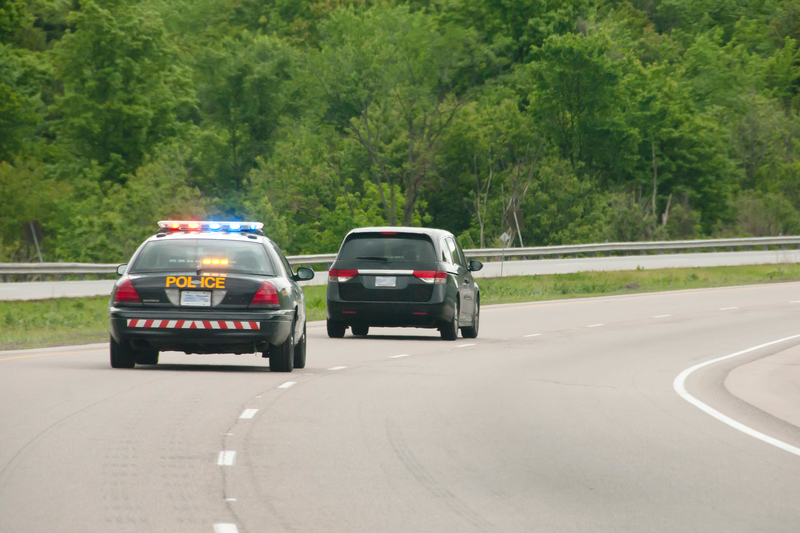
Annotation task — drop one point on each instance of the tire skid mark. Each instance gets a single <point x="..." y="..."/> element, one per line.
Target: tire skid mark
<point x="421" y="474"/>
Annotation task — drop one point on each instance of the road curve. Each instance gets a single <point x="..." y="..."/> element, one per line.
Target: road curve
<point x="561" y="417"/>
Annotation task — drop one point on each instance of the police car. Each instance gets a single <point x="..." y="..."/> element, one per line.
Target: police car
<point x="208" y="287"/>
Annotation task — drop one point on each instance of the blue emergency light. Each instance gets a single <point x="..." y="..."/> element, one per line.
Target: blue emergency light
<point x="167" y="226"/>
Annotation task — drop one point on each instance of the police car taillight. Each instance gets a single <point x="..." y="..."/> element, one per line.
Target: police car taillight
<point x="126" y="293"/>
<point x="341" y="275"/>
<point x="267" y="295"/>
<point x="431" y="276"/>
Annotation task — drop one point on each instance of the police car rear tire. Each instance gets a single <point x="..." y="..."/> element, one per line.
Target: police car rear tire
<point x="281" y="357"/>
<point x="149" y="357"/>
<point x="300" y="351"/>
<point x="121" y="355"/>
<point x="336" y="329"/>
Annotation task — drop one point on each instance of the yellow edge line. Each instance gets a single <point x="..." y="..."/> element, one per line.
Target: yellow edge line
<point x="45" y="354"/>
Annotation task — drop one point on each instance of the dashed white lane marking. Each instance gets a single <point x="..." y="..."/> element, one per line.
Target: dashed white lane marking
<point x="595" y="325"/>
<point x="401" y="355"/>
<point x="727" y="308"/>
<point x="248" y="413"/>
<point x="225" y="528"/>
<point x="533" y="335"/>
<point x="230" y="499"/>
<point x="795" y="302"/>
<point x="226" y="458"/>
<point x="287" y="385"/>
<point x="661" y="316"/>
<point x="465" y="345"/>
<point x="258" y="396"/>
<point x="337" y="368"/>
<point x="680" y="387"/>
<point x="229" y="434"/>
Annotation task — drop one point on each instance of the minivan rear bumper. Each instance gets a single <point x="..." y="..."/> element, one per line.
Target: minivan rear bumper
<point x="439" y="309"/>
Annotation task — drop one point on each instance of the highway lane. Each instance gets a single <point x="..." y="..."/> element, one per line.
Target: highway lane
<point x="561" y="416"/>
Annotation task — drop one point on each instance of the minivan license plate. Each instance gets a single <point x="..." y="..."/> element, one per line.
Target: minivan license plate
<point x="385" y="281"/>
<point x="196" y="298"/>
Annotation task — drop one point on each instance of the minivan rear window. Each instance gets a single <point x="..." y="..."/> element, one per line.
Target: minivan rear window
<point x="383" y="248"/>
<point x="207" y="254"/>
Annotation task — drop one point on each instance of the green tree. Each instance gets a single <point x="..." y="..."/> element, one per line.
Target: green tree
<point x="125" y="88"/>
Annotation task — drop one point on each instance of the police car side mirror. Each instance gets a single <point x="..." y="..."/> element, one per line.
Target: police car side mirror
<point x="475" y="265"/>
<point x="121" y="269"/>
<point x="303" y="274"/>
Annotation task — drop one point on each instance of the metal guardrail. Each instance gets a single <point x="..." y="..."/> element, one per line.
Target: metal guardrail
<point x="82" y="269"/>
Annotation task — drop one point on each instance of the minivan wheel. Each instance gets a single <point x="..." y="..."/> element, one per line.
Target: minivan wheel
<point x="336" y="329"/>
<point x="450" y="330"/>
<point x="471" y="332"/>
<point x="300" y="351"/>
<point x="360" y="330"/>
<point x="121" y="355"/>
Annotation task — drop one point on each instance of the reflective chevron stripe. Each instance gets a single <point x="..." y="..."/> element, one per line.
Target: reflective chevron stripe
<point x="191" y="324"/>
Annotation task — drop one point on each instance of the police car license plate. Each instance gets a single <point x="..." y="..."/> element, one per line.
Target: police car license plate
<point x="385" y="281"/>
<point x="196" y="298"/>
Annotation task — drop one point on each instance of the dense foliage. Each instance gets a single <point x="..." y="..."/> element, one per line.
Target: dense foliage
<point x="556" y="122"/>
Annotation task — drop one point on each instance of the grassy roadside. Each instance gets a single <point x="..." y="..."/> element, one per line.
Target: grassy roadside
<point x="68" y="321"/>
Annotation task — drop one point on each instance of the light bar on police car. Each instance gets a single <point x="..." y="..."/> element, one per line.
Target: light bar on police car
<point x="206" y="225"/>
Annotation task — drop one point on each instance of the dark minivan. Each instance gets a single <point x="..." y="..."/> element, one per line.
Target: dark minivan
<point x="403" y="277"/>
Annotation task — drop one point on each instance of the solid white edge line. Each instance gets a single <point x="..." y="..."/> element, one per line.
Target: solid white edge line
<point x="661" y="316"/>
<point x="338" y="368"/>
<point x="727" y="308"/>
<point x="287" y="385"/>
<point x="225" y="528"/>
<point x="401" y="355"/>
<point x="248" y="413"/>
<point x="595" y="325"/>
<point x="226" y="458"/>
<point x="533" y="335"/>
<point x="465" y="345"/>
<point x="680" y="387"/>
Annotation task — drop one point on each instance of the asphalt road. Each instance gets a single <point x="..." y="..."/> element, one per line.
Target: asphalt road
<point x="38" y="290"/>
<point x="562" y="416"/>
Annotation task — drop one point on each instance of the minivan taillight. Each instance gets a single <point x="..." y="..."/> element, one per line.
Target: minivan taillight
<point x="267" y="295"/>
<point x="341" y="275"/>
<point x="431" y="276"/>
<point x="126" y="294"/>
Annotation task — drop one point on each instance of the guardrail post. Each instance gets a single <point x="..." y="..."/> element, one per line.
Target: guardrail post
<point x="5" y="278"/>
<point x="81" y="277"/>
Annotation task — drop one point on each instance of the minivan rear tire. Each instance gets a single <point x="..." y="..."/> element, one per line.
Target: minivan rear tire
<point x="450" y="329"/>
<point x="359" y="330"/>
<point x="336" y="329"/>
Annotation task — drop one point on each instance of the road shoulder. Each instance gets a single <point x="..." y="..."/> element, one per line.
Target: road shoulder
<point x="771" y="384"/>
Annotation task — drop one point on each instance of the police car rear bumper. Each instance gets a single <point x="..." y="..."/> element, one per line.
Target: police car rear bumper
<point x="218" y="332"/>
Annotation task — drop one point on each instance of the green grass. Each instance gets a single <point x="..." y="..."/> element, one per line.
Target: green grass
<point x="55" y="322"/>
<point x="67" y="321"/>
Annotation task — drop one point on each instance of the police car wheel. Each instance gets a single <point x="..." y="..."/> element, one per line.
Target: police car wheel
<point x="121" y="355"/>
<point x="449" y="330"/>
<point x="149" y="357"/>
<point x="300" y="351"/>
<point x="281" y="357"/>
<point x="336" y="329"/>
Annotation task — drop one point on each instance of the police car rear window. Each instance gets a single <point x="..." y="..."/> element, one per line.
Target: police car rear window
<point x="206" y="254"/>
<point x="386" y="248"/>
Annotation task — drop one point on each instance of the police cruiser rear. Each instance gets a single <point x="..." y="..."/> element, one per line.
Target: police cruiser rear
<point x="208" y="287"/>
